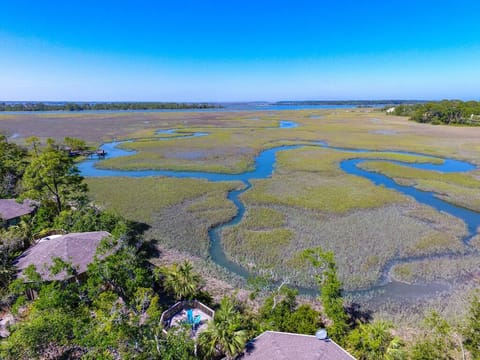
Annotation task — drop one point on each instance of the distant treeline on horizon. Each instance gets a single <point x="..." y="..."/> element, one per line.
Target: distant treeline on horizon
<point x="349" y="102"/>
<point x="72" y="106"/>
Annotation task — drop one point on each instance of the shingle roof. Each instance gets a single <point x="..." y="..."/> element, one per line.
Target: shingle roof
<point x="75" y="248"/>
<point x="286" y="346"/>
<point x="10" y="209"/>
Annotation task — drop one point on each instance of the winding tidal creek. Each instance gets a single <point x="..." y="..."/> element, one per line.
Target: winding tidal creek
<point x="265" y="162"/>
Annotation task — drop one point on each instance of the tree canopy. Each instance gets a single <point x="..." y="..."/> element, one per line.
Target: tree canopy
<point x="13" y="160"/>
<point x="39" y="106"/>
<point x="52" y="178"/>
<point x="449" y="112"/>
<point x="330" y="292"/>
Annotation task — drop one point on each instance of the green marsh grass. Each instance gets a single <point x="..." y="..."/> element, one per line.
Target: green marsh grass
<point x="458" y="188"/>
<point x="363" y="241"/>
<point x="178" y="211"/>
<point x="261" y="218"/>
<point x="256" y="248"/>
<point x="364" y="225"/>
<point x="445" y="269"/>
<point x="310" y="178"/>
<point x="308" y="201"/>
<point x="330" y="195"/>
<point x="318" y="204"/>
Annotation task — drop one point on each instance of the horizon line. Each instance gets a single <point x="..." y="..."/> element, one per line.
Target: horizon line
<point x="236" y="101"/>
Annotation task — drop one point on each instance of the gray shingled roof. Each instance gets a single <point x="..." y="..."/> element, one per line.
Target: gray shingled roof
<point x="10" y="209"/>
<point x="75" y="248"/>
<point x="286" y="346"/>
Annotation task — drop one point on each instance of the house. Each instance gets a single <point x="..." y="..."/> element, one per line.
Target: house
<point x="286" y="346"/>
<point x="11" y="211"/>
<point x="76" y="248"/>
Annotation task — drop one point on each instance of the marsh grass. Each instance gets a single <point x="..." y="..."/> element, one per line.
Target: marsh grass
<point x="216" y="152"/>
<point x="363" y="241"/>
<point x="342" y="127"/>
<point x="399" y="171"/>
<point x="434" y="242"/>
<point x="261" y="218"/>
<point x="137" y="198"/>
<point x="234" y="140"/>
<point x="475" y="241"/>
<point x="256" y="248"/>
<point x="336" y="195"/>
<point x="326" y="161"/>
<point x="445" y="269"/>
<point x="178" y="211"/>
<point x="310" y="178"/>
<point x="462" y="189"/>
<point x="319" y="205"/>
<point x="308" y="202"/>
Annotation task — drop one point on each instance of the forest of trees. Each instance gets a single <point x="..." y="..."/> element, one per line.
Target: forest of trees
<point x="114" y="312"/>
<point x="359" y="103"/>
<point x="38" y="106"/>
<point x="449" y="112"/>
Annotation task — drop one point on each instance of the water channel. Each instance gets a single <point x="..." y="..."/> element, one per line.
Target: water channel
<point x="265" y="164"/>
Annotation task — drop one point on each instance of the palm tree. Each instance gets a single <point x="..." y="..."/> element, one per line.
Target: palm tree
<point x="395" y="350"/>
<point x="223" y="334"/>
<point x="375" y="341"/>
<point x="181" y="280"/>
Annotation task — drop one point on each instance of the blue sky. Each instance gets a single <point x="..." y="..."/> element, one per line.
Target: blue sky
<point x="238" y="50"/>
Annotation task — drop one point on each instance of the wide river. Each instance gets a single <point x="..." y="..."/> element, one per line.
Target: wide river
<point x="265" y="163"/>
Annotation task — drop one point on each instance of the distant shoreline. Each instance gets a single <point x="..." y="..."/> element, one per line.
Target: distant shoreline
<point x="100" y="106"/>
<point x="351" y="102"/>
<point x="59" y="106"/>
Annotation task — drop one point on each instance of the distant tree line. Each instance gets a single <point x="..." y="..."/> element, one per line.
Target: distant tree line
<point x="38" y="106"/>
<point x="348" y="102"/>
<point x="449" y="112"/>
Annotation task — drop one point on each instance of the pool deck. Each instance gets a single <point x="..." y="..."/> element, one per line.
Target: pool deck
<point x="181" y="318"/>
<point x="176" y="316"/>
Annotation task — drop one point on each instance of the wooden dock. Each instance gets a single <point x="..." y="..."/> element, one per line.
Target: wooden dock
<point x="87" y="153"/>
